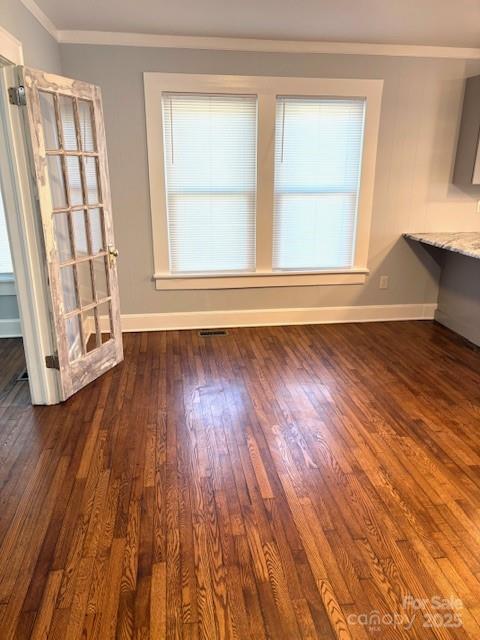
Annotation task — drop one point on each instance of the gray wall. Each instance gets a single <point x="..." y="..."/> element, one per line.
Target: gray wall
<point x="420" y="116"/>
<point x="459" y="296"/>
<point x="40" y="50"/>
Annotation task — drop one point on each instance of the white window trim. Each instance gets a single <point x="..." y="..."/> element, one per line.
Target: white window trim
<point x="267" y="88"/>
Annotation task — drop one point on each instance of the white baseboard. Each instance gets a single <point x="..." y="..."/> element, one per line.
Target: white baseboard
<point x="255" y="318"/>
<point x="10" y="328"/>
<point x="274" y="317"/>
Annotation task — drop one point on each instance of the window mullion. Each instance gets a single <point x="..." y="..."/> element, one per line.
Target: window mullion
<point x="265" y="181"/>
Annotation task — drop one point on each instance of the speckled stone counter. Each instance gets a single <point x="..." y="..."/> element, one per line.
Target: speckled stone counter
<point x="465" y="242"/>
<point x="459" y="286"/>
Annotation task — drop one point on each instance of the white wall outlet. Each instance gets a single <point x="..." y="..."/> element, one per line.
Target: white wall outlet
<point x="383" y="282"/>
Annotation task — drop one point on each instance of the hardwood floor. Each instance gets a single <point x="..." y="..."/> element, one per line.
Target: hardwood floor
<point x="273" y="483"/>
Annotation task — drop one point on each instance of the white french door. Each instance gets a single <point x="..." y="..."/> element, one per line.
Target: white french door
<point x="65" y="134"/>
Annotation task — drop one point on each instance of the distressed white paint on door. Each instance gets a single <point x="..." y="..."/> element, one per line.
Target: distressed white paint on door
<point x="64" y="124"/>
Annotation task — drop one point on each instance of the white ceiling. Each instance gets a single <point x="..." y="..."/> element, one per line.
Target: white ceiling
<point x="420" y="22"/>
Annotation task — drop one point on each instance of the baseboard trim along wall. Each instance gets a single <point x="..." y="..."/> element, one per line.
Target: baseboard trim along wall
<point x="10" y="328"/>
<point x="274" y="317"/>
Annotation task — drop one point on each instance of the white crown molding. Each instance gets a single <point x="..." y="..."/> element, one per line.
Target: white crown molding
<point x="42" y="17"/>
<point x="272" y="317"/>
<point x="256" y="45"/>
<point x="244" y="44"/>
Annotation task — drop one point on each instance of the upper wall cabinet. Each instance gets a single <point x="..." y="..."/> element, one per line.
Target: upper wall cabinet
<point x="467" y="164"/>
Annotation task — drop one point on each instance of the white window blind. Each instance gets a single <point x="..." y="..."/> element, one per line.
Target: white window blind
<point x="5" y="256"/>
<point x="210" y="173"/>
<point x="318" y="150"/>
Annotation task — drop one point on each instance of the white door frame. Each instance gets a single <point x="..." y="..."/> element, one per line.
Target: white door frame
<point x="21" y="213"/>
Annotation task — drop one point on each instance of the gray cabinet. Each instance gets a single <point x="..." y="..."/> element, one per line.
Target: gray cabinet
<point x="467" y="163"/>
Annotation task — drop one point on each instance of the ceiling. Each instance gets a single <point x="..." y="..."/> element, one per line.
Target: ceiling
<point x="419" y="22"/>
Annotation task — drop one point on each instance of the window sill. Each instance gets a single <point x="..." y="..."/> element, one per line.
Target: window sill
<point x="169" y="282"/>
<point x="7" y="284"/>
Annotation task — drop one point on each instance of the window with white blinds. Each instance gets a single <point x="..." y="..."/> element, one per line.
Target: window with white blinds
<point x="260" y="181"/>
<point x="5" y="256"/>
<point x="318" y="151"/>
<point x="210" y="159"/>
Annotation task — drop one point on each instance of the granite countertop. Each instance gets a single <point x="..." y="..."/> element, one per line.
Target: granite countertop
<point x="465" y="242"/>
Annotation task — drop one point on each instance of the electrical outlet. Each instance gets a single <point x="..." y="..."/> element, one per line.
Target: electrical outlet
<point x="478" y="206"/>
<point x="383" y="282"/>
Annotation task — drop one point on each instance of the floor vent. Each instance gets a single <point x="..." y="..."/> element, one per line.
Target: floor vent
<point x="206" y="333"/>
<point x="23" y="377"/>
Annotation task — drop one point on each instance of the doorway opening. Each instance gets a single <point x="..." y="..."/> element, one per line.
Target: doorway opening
<point x="14" y="389"/>
<point x="57" y="210"/>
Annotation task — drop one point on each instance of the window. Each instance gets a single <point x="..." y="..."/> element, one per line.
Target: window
<point x="5" y="257"/>
<point x="318" y="152"/>
<point x="260" y="181"/>
<point x="210" y="148"/>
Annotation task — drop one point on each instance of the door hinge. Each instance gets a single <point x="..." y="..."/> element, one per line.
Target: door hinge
<point x="17" y="96"/>
<point x="51" y="362"/>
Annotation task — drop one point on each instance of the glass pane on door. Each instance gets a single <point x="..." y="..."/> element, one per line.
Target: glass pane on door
<point x="49" y="120"/>
<point x="57" y="183"/>
<point x="69" y="291"/>
<point x="74" y="340"/>
<point x="96" y="230"/>
<point x="62" y="236"/>
<point x="90" y="330"/>
<point x="101" y="280"/>
<point x="80" y="233"/>
<point x="85" y="288"/>
<point x="85" y="117"/>
<point x="74" y="180"/>
<point x="67" y="117"/>
<point x="91" y="180"/>
<point x="104" y="317"/>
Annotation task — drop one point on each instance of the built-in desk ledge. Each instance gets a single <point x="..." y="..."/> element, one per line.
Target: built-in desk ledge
<point x="465" y="242"/>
